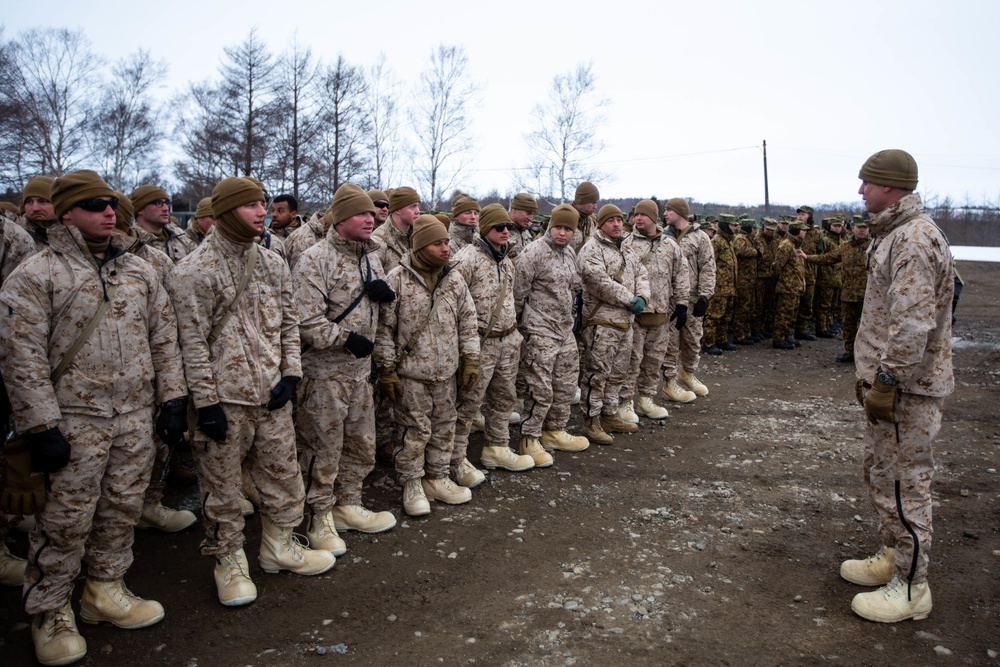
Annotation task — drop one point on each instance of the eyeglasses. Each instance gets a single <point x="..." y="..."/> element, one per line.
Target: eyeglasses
<point x="98" y="204"/>
<point x="382" y="204"/>
<point x="506" y="226"/>
<point x="160" y="202"/>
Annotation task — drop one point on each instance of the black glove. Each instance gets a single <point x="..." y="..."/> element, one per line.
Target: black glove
<point x="680" y="314"/>
<point x="282" y="392"/>
<point x="49" y="450"/>
<point x="359" y="345"/>
<point x="759" y="253"/>
<point x="171" y="423"/>
<point x="212" y="422"/>
<point x="700" y="307"/>
<point x="379" y="292"/>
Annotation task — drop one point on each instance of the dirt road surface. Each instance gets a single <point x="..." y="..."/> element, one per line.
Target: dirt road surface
<point x="713" y="538"/>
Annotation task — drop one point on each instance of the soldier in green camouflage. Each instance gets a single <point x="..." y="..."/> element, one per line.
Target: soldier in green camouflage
<point x="767" y="242"/>
<point x="828" y="281"/>
<point x="720" y="308"/>
<point x="747" y="255"/>
<point x="789" y="269"/>
<point x="812" y="244"/>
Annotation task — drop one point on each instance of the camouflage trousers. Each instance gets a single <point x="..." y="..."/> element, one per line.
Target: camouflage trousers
<point x="550" y="368"/>
<point x="498" y="363"/>
<point x="154" y="492"/>
<point x="898" y="471"/>
<point x="683" y="347"/>
<point x="649" y="348"/>
<point x="426" y="415"/>
<point x="607" y="352"/>
<point x="265" y="441"/>
<point x="744" y="309"/>
<point x="386" y="432"/>
<point x="717" y="320"/>
<point x="92" y="506"/>
<point x="786" y="309"/>
<point x="804" y="318"/>
<point x="335" y="433"/>
<point x="765" y="295"/>
<point x="850" y="311"/>
<point x="826" y="314"/>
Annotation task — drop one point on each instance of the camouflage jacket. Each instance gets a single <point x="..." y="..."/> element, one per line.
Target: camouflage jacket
<point x="38" y="231"/>
<point x="585" y="229"/>
<point x="156" y="258"/>
<point x="302" y="239"/>
<point x="329" y="278"/>
<point x="789" y="268"/>
<point x="905" y="327"/>
<point x="767" y="245"/>
<point x="697" y="248"/>
<point x="461" y="235"/>
<point x="17" y="246"/>
<point x="272" y="243"/>
<point x="545" y="284"/>
<point x="173" y="242"/>
<point x="519" y="240"/>
<point x="393" y="244"/>
<point x="725" y="265"/>
<point x="485" y="275"/>
<point x="666" y="268"/>
<point x="284" y="232"/>
<point x="746" y="258"/>
<point x="450" y="336"/>
<point x="830" y="274"/>
<point x="610" y="281"/>
<point x="49" y="301"/>
<point x="813" y="244"/>
<point x="193" y="233"/>
<point x="260" y="342"/>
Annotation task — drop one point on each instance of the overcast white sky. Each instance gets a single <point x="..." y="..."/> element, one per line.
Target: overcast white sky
<point x="694" y="87"/>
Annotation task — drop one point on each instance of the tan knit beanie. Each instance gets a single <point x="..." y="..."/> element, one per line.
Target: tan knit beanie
<point x="678" y="206"/>
<point x="522" y="201"/>
<point x="76" y="186"/>
<point x="402" y="197"/>
<point x="648" y="208"/>
<point x="462" y="204"/>
<point x="893" y="168"/>
<point x="349" y="200"/>
<point x="607" y="212"/>
<point x="124" y="212"/>
<point x="586" y="193"/>
<point x="39" y="186"/>
<point x="565" y="215"/>
<point x="231" y="193"/>
<point x="426" y="230"/>
<point x="204" y="209"/>
<point x="378" y="195"/>
<point x="144" y="194"/>
<point x="491" y="216"/>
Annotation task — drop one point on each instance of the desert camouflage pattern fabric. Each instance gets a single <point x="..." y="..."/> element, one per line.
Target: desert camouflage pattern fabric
<point x="519" y="240"/>
<point x="257" y="346"/>
<point x="545" y="283"/>
<point x="426" y="416"/>
<point x="666" y="269"/>
<point x="272" y="242"/>
<point x="550" y="368"/>
<point x="700" y="256"/>
<point x="173" y="242"/>
<point x="16" y="247"/>
<point x="610" y="280"/>
<point x="461" y="236"/>
<point x="302" y="239"/>
<point x="50" y="299"/>
<point x="585" y="229"/>
<point x="393" y="244"/>
<point x="906" y="324"/>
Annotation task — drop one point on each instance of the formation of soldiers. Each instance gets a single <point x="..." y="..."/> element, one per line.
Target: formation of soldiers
<point x="291" y="356"/>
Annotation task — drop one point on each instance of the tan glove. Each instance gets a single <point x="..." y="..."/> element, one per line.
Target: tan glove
<point x="859" y="392"/>
<point x="389" y="384"/>
<point x="880" y="403"/>
<point x="23" y="491"/>
<point x="470" y="371"/>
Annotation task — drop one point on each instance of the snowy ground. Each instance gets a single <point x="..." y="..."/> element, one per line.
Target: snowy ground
<point x="970" y="253"/>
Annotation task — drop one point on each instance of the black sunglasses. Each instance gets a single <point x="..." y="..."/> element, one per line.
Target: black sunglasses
<point x="98" y="204"/>
<point x="508" y="226"/>
<point x="382" y="204"/>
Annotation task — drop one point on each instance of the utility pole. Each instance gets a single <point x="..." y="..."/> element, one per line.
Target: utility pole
<point x="767" y="199"/>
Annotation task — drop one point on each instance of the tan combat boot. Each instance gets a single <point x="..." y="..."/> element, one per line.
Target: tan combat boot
<point x="155" y="515"/>
<point x="415" y="501"/>
<point x="502" y="457"/>
<point x="362" y="519"/>
<point x="626" y="413"/>
<point x="647" y="408"/>
<point x="113" y="602"/>
<point x="595" y="433"/>
<point x="563" y="441"/>
<point x="322" y="534"/>
<point x="467" y="475"/>
<point x="280" y="550"/>
<point x="676" y="393"/>
<point x="615" y="424"/>
<point x="445" y="491"/>
<point x="894" y="602"/>
<point x="246" y="507"/>
<point x="691" y="382"/>
<point x="56" y="639"/>
<point x="533" y="449"/>
<point x="11" y="567"/>
<point x="875" y="570"/>
<point x="232" y="580"/>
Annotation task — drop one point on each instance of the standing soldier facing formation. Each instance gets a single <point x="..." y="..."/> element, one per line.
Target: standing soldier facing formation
<point x="789" y="270"/>
<point x="720" y="308"/>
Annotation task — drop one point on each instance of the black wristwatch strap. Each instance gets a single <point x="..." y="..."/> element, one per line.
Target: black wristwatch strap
<point x="885" y="378"/>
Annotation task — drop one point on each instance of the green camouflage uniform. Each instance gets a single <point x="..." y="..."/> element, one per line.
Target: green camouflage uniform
<point x="720" y="307"/>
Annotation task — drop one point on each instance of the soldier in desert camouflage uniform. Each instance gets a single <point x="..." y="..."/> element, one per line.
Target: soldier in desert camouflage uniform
<point x="904" y="372"/>
<point x="585" y="202"/>
<point x="338" y="288"/>
<point x="91" y="428"/>
<point x="152" y="215"/>
<point x="522" y="211"/>
<point x="37" y="214"/>
<point x="242" y="370"/>
<point x="464" y="222"/>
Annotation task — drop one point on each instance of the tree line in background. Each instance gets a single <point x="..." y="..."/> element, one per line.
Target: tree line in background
<point x="298" y="123"/>
<point x="306" y="126"/>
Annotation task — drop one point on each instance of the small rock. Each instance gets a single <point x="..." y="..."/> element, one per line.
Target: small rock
<point x="327" y="621"/>
<point x="336" y="648"/>
<point x="453" y="555"/>
<point x="857" y="517"/>
<point x="571" y="604"/>
<point x="971" y="534"/>
<point x="964" y="493"/>
<point x="941" y="650"/>
<point x="797" y="598"/>
<point x="991" y="471"/>
<point x="107" y="649"/>
<point x="391" y="618"/>
<point x="920" y="634"/>
<point x="991" y="653"/>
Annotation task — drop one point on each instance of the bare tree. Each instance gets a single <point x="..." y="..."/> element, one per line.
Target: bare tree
<point x="298" y="118"/>
<point x="384" y="148"/>
<point x="344" y="122"/>
<point x="50" y="82"/>
<point x="248" y="103"/>
<point x="439" y="118"/>
<point x="205" y="141"/>
<point x="565" y="136"/>
<point x="127" y="124"/>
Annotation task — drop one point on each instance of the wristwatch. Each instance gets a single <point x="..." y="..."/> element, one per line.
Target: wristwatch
<point x="885" y="378"/>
